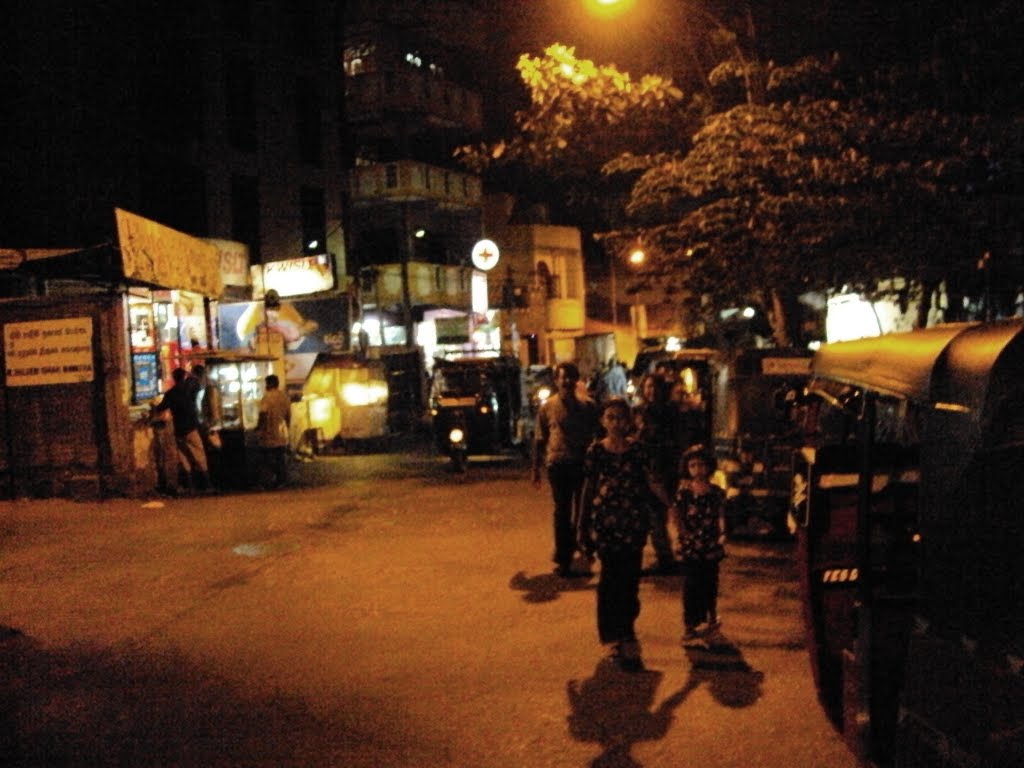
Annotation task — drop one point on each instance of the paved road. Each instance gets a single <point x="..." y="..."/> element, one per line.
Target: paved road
<point x="384" y="612"/>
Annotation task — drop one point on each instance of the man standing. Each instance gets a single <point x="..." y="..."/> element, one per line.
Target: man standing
<point x="566" y="425"/>
<point x="210" y="420"/>
<point x="615" y="379"/>
<point x="273" y="424"/>
<point x="180" y="399"/>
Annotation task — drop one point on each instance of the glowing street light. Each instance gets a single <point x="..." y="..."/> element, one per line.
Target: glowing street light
<point x="608" y="8"/>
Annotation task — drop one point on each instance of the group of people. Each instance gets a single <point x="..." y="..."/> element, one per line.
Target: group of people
<point x="618" y="474"/>
<point x="195" y="412"/>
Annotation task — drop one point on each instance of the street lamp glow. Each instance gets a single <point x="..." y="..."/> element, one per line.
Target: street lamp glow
<point x="637" y="256"/>
<point x="608" y="8"/>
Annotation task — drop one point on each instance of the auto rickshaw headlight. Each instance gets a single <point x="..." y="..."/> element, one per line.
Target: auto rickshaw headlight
<point x="456" y="435"/>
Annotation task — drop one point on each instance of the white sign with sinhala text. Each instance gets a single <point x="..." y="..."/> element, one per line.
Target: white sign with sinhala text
<point x="49" y="352"/>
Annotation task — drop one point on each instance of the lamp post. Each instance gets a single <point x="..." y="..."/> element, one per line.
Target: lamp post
<point x="637" y="256"/>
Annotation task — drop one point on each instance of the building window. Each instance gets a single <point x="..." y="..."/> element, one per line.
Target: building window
<point x="314" y="220"/>
<point x="245" y="214"/>
<point x="359" y="58"/>
<point x="546" y="281"/>
<point x="307" y="124"/>
<point x="240" y="105"/>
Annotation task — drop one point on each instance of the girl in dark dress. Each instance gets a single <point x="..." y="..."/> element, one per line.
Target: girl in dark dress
<point x="614" y="524"/>
<point x="699" y="510"/>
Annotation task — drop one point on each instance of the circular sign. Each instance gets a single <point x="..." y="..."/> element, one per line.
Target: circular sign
<point x="485" y="255"/>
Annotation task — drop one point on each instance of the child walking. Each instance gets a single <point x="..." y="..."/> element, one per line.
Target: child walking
<point x="699" y="510"/>
<point x="614" y="523"/>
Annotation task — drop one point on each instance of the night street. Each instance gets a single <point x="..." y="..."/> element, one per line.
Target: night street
<point x="401" y="615"/>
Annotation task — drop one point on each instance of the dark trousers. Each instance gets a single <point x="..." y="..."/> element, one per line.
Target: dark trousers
<point x="700" y="592"/>
<point x="276" y="466"/>
<point x="566" y="481"/>
<point x="618" y="595"/>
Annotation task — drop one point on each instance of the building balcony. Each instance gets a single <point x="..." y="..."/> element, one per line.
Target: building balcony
<point x="429" y="285"/>
<point x="372" y="96"/>
<point x="408" y="180"/>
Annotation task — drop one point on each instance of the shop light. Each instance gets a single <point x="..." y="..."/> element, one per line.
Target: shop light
<point x="359" y="393"/>
<point x="320" y="411"/>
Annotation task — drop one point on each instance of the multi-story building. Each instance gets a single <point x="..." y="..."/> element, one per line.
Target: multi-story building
<point x="411" y="99"/>
<point x="219" y="119"/>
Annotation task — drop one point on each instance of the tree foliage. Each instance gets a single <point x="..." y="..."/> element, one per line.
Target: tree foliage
<point x="582" y="115"/>
<point x="816" y="192"/>
<point x="808" y="176"/>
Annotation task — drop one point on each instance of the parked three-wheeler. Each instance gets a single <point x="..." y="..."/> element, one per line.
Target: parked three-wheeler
<point x="764" y="403"/>
<point x="476" y="406"/>
<point x="908" y="499"/>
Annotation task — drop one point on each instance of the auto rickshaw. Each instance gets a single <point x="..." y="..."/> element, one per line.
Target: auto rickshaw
<point x="907" y="501"/>
<point x="764" y="402"/>
<point x="476" y="406"/>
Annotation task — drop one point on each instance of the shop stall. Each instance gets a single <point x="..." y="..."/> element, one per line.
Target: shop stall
<point x="90" y="337"/>
<point x="240" y="383"/>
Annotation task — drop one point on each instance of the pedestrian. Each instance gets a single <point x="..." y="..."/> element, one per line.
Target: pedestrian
<point x="273" y="430"/>
<point x="615" y="379"/>
<point x="180" y="400"/>
<point x="699" y="509"/>
<point x="566" y="425"/>
<point x="615" y="520"/>
<point x="655" y="419"/>
<point x="211" y="414"/>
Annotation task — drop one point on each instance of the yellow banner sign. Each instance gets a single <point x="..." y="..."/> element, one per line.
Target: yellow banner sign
<point x="158" y="255"/>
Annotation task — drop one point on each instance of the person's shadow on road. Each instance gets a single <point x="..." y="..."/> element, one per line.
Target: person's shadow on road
<point x="614" y="709"/>
<point x="720" y="664"/>
<point x="545" y="587"/>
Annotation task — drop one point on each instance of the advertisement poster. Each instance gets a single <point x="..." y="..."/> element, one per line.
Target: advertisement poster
<point x="307" y="326"/>
<point x="146" y="368"/>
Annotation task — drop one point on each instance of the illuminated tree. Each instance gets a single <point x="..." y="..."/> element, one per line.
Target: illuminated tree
<point x="833" y="176"/>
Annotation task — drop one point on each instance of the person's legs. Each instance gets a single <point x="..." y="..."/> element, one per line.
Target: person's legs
<point x="711" y="597"/>
<point x="618" y="606"/>
<point x="191" y="446"/>
<point x="694" y="609"/>
<point x="618" y="596"/>
<point x="277" y="465"/>
<point x="565" y="481"/>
